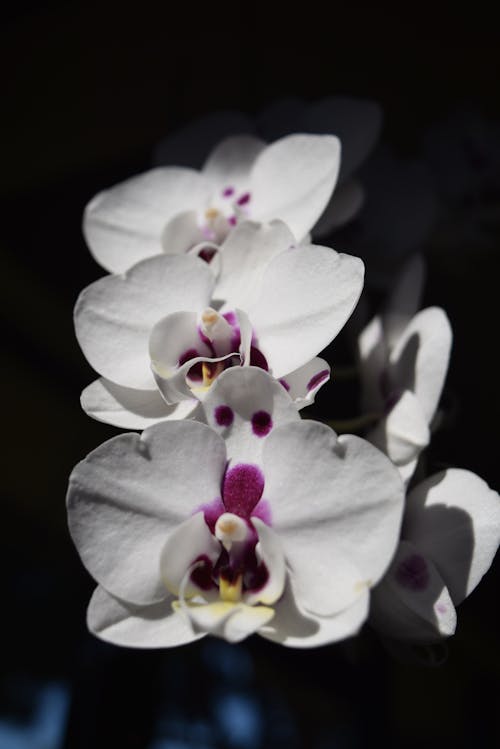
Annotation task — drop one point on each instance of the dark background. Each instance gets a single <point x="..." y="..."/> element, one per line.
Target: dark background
<point x="88" y="89"/>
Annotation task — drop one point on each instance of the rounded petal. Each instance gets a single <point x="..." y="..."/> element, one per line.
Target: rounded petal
<point x="454" y="518"/>
<point x="128" y="408"/>
<point x="270" y="551"/>
<point x="337" y="505"/>
<point x="295" y="628"/>
<point x="405" y="299"/>
<point x="344" y="204"/>
<point x="373" y="355"/>
<point x="234" y="407"/>
<point x="404" y="432"/>
<point x="230" y="162"/>
<point x="181" y="233"/>
<point x="123" y="225"/>
<point x="231" y="621"/>
<point x="303" y="383"/>
<point x="419" y="361"/>
<point x="245" y="255"/>
<point x="115" y="315"/>
<point x="155" y="626"/>
<point x="307" y="295"/>
<point x="293" y="179"/>
<point x="128" y="495"/>
<point x="412" y="601"/>
<point x="187" y="543"/>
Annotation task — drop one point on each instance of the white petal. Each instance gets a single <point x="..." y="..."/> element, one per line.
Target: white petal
<point x="231" y="621"/>
<point x="404" y="432"/>
<point x="454" y="518"/>
<point x="270" y="551"/>
<point x="156" y="626"/>
<point x="337" y="505"/>
<point x="405" y="299"/>
<point x="230" y="162"/>
<point x="244" y="256"/>
<point x="128" y="408"/>
<point x="188" y="542"/>
<point x="293" y="179"/>
<point x="181" y="233"/>
<point x="115" y="315"/>
<point x="234" y="407"/>
<point x="123" y="225"/>
<point x="128" y="495"/>
<point x="344" y="204"/>
<point x="303" y="383"/>
<point x="307" y="295"/>
<point x="294" y="628"/>
<point x="356" y="122"/>
<point x="419" y="361"/>
<point x="412" y="601"/>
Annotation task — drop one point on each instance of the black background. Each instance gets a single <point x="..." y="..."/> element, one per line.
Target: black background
<point x="88" y="89"/>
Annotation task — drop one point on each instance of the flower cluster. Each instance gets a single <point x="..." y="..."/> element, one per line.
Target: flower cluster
<point x="229" y="514"/>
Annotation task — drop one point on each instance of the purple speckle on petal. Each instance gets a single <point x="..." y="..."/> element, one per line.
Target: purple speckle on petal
<point x="285" y="384"/>
<point x="412" y="573"/>
<point x="230" y="317"/>
<point x="244" y="199"/>
<point x="224" y="416"/>
<point x="232" y="220"/>
<point x="317" y="379"/>
<point x="227" y="192"/>
<point x="242" y="489"/>
<point x="207" y="254"/>
<point x="441" y="608"/>
<point x="261" y="423"/>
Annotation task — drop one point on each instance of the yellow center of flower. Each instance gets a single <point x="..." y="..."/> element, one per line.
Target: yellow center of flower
<point x="211" y="214"/>
<point x="230" y="592"/>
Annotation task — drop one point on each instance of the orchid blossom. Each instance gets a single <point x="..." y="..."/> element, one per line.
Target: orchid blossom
<point x="256" y="521"/>
<point x="162" y="333"/>
<point x="451" y="531"/>
<point x="404" y="359"/>
<point x="172" y="209"/>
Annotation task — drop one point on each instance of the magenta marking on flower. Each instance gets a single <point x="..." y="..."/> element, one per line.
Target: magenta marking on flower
<point x="191" y="353"/>
<point x="285" y="384"/>
<point x="262" y="423"/>
<point x="232" y="220"/>
<point x="212" y="511"/>
<point x="207" y="254"/>
<point x="262" y="510"/>
<point x="257" y="359"/>
<point x="206" y="340"/>
<point x="244" y="199"/>
<point x="230" y="317"/>
<point x="224" y="416"/>
<point x="227" y="192"/>
<point x="242" y="489"/>
<point x="208" y="233"/>
<point x="412" y="573"/>
<point x="317" y="379"/>
<point x="202" y="573"/>
<point x="441" y="608"/>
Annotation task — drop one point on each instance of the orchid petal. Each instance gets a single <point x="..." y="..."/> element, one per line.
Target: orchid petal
<point x="405" y="299"/>
<point x="154" y="626"/>
<point x="373" y="354"/>
<point x="295" y="628"/>
<point x="230" y="162"/>
<point x="319" y="289"/>
<point x="231" y="621"/>
<point x="293" y="179"/>
<point x="181" y="233"/>
<point x="454" y="518"/>
<point x="419" y="361"/>
<point x="123" y="225"/>
<point x="114" y="316"/>
<point x="270" y="552"/>
<point x="304" y="382"/>
<point x="128" y="408"/>
<point x="237" y="397"/>
<point x="345" y="499"/>
<point x="404" y="432"/>
<point x="131" y="492"/>
<point x="187" y="543"/>
<point x="412" y="601"/>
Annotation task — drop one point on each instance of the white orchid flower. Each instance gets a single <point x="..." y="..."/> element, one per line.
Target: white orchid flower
<point x="404" y="360"/>
<point x="172" y="209"/>
<point x="450" y="535"/>
<point x="264" y="523"/>
<point x="161" y="333"/>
